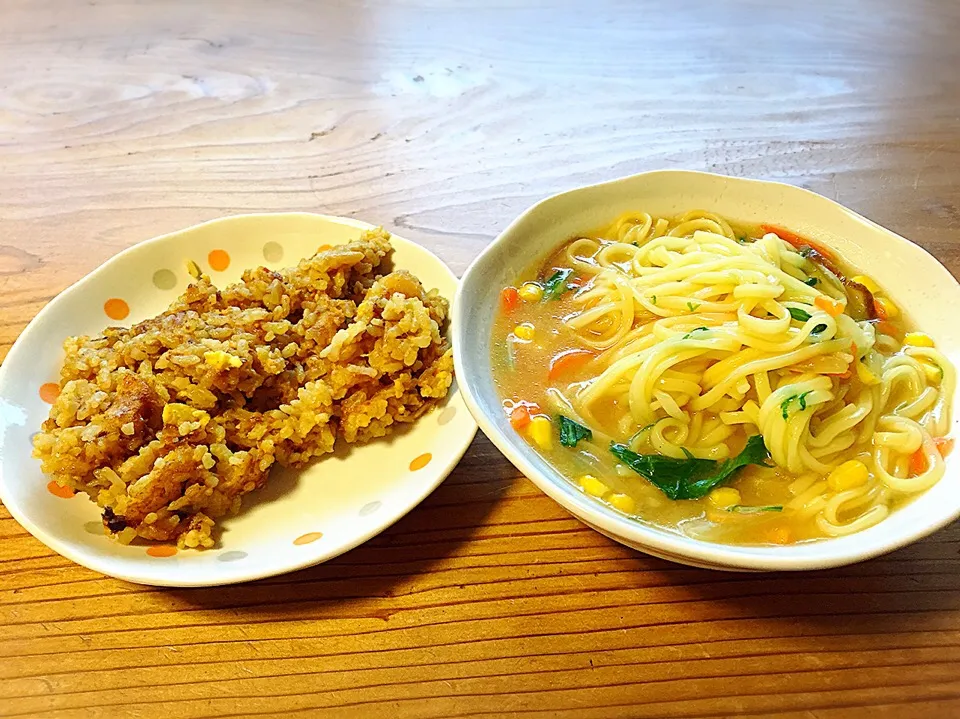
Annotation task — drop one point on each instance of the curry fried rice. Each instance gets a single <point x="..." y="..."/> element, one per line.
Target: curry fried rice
<point x="167" y="424"/>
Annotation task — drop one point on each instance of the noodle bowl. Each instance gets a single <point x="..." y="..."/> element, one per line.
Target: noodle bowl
<point x="676" y="345"/>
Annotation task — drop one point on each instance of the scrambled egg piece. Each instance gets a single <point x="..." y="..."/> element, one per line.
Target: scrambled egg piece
<point x="220" y="359"/>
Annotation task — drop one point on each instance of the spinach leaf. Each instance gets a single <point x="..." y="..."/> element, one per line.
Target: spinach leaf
<point x="556" y="284"/>
<point x="746" y="509"/>
<point x="798" y="314"/>
<point x="690" y="478"/>
<point x="811" y="281"/>
<point x="785" y="405"/>
<point x="641" y="431"/>
<point x="692" y="307"/>
<point x="818" y="329"/>
<point x="801" y="398"/>
<point x="572" y="432"/>
<point x="695" y="329"/>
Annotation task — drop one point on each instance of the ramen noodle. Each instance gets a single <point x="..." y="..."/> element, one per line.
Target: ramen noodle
<point x="729" y="382"/>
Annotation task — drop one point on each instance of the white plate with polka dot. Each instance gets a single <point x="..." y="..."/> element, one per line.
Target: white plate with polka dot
<point x="300" y="518"/>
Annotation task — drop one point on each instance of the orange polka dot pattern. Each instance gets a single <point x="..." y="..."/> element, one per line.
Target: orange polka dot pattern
<point x="308" y="538"/>
<point x="420" y="462"/>
<point x="49" y="392"/>
<point x="116" y="309"/>
<point x="218" y="260"/>
<point x="161" y="550"/>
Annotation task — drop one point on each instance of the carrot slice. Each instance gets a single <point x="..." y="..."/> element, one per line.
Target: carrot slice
<point x="568" y="361"/>
<point x="831" y="307"/>
<point x="888" y="328"/>
<point x="918" y="463"/>
<point x="509" y="299"/>
<point x="880" y="310"/>
<point x="575" y="282"/>
<point x="797" y="241"/>
<point x="944" y="445"/>
<point x="519" y="417"/>
<point x="779" y="535"/>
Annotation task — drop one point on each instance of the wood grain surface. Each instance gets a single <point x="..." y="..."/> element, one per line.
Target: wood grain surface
<point x="120" y="121"/>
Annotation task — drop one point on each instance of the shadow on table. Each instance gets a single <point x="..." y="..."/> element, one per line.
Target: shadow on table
<point x="387" y="566"/>
<point x="909" y="590"/>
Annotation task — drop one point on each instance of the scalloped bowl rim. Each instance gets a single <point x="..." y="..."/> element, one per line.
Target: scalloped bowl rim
<point x="485" y="276"/>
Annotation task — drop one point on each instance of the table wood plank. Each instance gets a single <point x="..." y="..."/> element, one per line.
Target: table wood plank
<point x="122" y="120"/>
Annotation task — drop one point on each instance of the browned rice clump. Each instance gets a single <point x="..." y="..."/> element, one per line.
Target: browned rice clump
<point x="167" y="424"/>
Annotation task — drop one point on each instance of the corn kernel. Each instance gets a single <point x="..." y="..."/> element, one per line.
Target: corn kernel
<point x="531" y="292"/>
<point x="918" y="339"/>
<point x="848" y="475"/>
<point x="623" y="502"/>
<point x="220" y="360"/>
<point x="933" y="372"/>
<point x="887" y="308"/>
<point x="593" y="486"/>
<point x="724" y="497"/>
<point x="523" y="332"/>
<point x="866" y="375"/>
<point x="866" y="282"/>
<point x="540" y="430"/>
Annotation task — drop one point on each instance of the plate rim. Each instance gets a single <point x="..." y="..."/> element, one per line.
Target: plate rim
<point x="66" y="548"/>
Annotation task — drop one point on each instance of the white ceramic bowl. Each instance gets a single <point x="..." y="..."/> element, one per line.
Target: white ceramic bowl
<point x="299" y="518"/>
<point x="915" y="281"/>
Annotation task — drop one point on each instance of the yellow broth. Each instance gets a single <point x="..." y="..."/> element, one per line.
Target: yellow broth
<point x="529" y="334"/>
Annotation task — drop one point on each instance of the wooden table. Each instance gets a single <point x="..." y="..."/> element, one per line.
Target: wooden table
<point x="124" y="120"/>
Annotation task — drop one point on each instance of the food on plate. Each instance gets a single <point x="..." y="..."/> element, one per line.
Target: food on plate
<point x="167" y="424"/>
<point x="730" y="382"/>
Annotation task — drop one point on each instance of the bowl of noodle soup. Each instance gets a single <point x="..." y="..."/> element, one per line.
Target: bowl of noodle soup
<point x="723" y="372"/>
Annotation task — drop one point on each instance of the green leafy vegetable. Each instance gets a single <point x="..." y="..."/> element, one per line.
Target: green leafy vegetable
<point x="556" y="284"/>
<point x="785" y="405"/>
<point x="798" y="314"/>
<point x="640" y="431"/>
<point x="812" y="281"/>
<point x="692" y="307"/>
<point x="572" y="432"/>
<point x="695" y="329"/>
<point x="690" y="478"/>
<point x="746" y="509"/>
<point x="801" y="399"/>
<point x="818" y="329"/>
<point x="653" y="299"/>
<point x="806" y="251"/>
